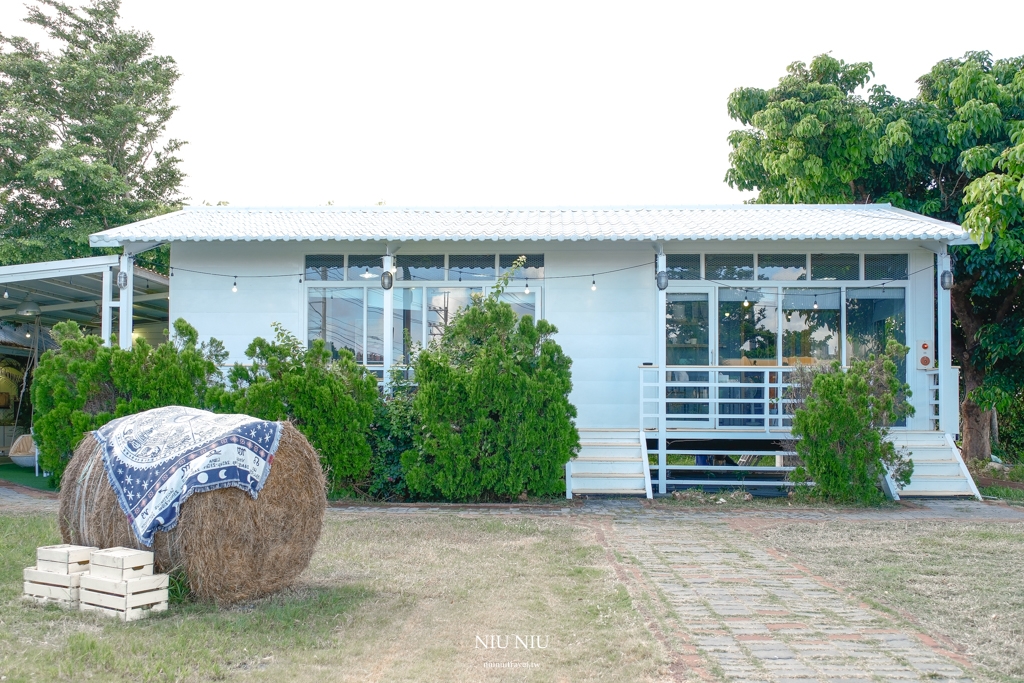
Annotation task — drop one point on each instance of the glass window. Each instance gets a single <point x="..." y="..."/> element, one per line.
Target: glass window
<point x="408" y="323"/>
<point x="521" y="303"/>
<point x="885" y="267"/>
<point x="835" y="267"/>
<point x="533" y="270"/>
<point x="686" y="329"/>
<point x="874" y="315"/>
<point x="782" y="267"/>
<point x="336" y="316"/>
<point x="810" y="325"/>
<point x="416" y="267"/>
<point x="325" y="267"/>
<point x="443" y="303"/>
<point x="462" y="267"/>
<point x="683" y="266"/>
<point x="363" y="268"/>
<point x="374" y="326"/>
<point x="729" y="266"/>
<point x="747" y="326"/>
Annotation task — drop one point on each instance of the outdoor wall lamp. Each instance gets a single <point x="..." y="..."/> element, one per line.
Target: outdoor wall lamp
<point x="946" y="280"/>
<point x="387" y="279"/>
<point x="662" y="278"/>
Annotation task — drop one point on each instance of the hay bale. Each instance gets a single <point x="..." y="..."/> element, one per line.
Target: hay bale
<point x="232" y="548"/>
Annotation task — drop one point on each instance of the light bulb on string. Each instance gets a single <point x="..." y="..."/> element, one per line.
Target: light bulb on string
<point x="593" y="283"/>
<point x="6" y="295"/>
<point x="815" y="302"/>
<point x="526" y="290"/>
<point x="234" y="285"/>
<point x="746" y="300"/>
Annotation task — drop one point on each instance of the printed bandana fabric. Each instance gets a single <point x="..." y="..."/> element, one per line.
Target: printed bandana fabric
<point x="155" y="460"/>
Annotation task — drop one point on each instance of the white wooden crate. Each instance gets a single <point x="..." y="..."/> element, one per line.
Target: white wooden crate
<point x="45" y="587"/>
<point x="63" y="559"/>
<point x="121" y="564"/>
<point x="128" y="600"/>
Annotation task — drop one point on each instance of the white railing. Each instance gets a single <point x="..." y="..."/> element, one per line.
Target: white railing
<point x="731" y="398"/>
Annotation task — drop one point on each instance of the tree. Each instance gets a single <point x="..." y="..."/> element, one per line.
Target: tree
<point x="954" y="152"/>
<point x="81" y="133"/>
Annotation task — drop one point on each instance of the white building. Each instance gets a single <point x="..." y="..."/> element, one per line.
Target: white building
<point x="696" y="368"/>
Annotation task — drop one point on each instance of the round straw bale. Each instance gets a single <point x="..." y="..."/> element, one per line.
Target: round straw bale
<point x="231" y="547"/>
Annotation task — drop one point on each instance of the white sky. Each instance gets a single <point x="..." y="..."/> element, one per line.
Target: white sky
<point x="505" y="104"/>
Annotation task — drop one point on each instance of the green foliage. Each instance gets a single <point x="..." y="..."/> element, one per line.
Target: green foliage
<point x="82" y="130"/>
<point x="841" y="430"/>
<point x="955" y="152"/>
<point x="330" y="401"/>
<point x="82" y="385"/>
<point x="495" y="418"/>
<point x="392" y="433"/>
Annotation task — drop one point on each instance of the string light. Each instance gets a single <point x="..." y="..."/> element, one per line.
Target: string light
<point x="234" y="285"/>
<point x="746" y="300"/>
<point x="593" y="283"/>
<point x="526" y="290"/>
<point x="815" y="302"/>
<point x="6" y="295"/>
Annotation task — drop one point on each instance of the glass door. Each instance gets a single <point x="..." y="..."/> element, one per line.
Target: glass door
<point x="689" y="351"/>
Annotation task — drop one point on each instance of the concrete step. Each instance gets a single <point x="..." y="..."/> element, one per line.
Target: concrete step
<point x="927" y="485"/>
<point x="620" y="492"/>
<point x="604" y="483"/>
<point x="610" y="451"/>
<point x="601" y="457"/>
<point x="947" y="468"/>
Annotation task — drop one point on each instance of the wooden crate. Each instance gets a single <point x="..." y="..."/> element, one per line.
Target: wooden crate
<point x="45" y="587"/>
<point x="127" y="600"/>
<point x="121" y="564"/>
<point x="63" y="559"/>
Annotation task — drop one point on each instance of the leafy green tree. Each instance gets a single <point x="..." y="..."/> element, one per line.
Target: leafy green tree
<point x="954" y="153"/>
<point x="841" y="429"/>
<point x="331" y="402"/>
<point x="493" y="407"/>
<point x="81" y="133"/>
<point x="82" y="385"/>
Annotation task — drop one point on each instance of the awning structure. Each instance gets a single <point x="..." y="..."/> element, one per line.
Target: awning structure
<point x="87" y="291"/>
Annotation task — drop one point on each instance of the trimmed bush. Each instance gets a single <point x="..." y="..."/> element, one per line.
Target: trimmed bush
<point x="331" y="402"/>
<point x="841" y="430"/>
<point x="495" y="417"/>
<point x="82" y="385"/>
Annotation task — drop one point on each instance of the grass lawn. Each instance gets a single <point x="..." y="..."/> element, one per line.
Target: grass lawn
<point x="961" y="580"/>
<point x="386" y="598"/>
<point x="26" y="476"/>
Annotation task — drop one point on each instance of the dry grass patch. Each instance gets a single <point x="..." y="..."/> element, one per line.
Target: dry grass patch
<point x="960" y="580"/>
<point x="387" y="597"/>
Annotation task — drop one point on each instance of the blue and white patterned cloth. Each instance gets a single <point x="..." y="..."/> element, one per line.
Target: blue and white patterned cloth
<point x="155" y="460"/>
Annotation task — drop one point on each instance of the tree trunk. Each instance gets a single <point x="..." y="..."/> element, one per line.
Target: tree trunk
<point x="976" y="424"/>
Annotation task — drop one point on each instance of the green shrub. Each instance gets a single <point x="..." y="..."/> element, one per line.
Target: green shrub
<point x="330" y="401"/>
<point x="391" y="434"/>
<point x="495" y="418"/>
<point x="841" y="430"/>
<point x="82" y="384"/>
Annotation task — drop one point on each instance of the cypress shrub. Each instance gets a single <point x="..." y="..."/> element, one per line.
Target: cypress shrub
<point x="495" y="421"/>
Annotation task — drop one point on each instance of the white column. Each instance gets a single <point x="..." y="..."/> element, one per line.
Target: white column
<point x="949" y="391"/>
<point x="661" y="262"/>
<point x="126" y="301"/>
<point x="389" y="321"/>
<point x="106" y="308"/>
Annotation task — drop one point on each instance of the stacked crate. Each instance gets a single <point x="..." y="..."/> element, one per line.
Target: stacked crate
<point x="121" y="583"/>
<point x="57" y="575"/>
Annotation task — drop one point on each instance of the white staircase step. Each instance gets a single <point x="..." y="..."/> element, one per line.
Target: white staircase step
<point x="586" y="467"/>
<point x="610" y="451"/>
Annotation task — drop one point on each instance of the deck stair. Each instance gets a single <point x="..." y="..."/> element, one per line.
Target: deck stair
<point x="610" y="461"/>
<point x="939" y="470"/>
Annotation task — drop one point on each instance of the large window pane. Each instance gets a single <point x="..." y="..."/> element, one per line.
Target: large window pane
<point x="810" y="325"/>
<point x="443" y="303"/>
<point x="747" y="326"/>
<point x="408" y="324"/>
<point x="729" y="266"/>
<point x="782" y="267"/>
<point x="686" y="329"/>
<point x="874" y="316"/>
<point x="374" y="326"/>
<point x="462" y="267"/>
<point x="419" y="267"/>
<point x="885" y="267"/>
<point x="336" y="316"/>
<point x="521" y="303"/>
